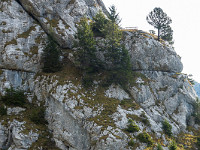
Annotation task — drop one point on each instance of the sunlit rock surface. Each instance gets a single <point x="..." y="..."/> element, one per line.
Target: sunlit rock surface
<point x="80" y="118"/>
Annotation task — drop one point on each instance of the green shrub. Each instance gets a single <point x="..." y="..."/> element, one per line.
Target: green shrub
<point x="198" y="142"/>
<point x="167" y="128"/>
<point x="14" y="97"/>
<point x="159" y="147"/>
<point x="3" y="111"/>
<point x="51" y="57"/>
<point x="145" y="138"/>
<point x="144" y="119"/>
<point x="99" y="24"/>
<point x="87" y="81"/>
<point x="37" y="115"/>
<point x="131" y="142"/>
<point x="132" y="127"/>
<point x="173" y="146"/>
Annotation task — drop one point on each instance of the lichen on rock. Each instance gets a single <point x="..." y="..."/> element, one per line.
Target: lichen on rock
<point x="78" y="117"/>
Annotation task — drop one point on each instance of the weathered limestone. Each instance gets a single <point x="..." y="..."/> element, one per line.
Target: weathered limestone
<point x="149" y="54"/>
<point x="77" y="117"/>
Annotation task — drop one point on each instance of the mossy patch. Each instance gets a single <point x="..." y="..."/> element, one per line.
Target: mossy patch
<point x="53" y="22"/>
<point x="33" y="51"/>
<point x="12" y="42"/>
<point x="140" y="118"/>
<point x="103" y="137"/>
<point x="104" y="119"/>
<point x="163" y="89"/>
<point x="3" y="23"/>
<point x="187" y="140"/>
<point x="27" y="33"/>
<point x="67" y="26"/>
<point x="1" y="71"/>
<point x="129" y="103"/>
<point x="72" y="2"/>
<point x="39" y="38"/>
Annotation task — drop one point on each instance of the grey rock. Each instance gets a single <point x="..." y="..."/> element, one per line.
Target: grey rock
<point x="68" y="133"/>
<point x="2" y="135"/>
<point x="163" y="94"/>
<point x="15" y="110"/>
<point x="197" y="88"/>
<point x="59" y="18"/>
<point x="177" y="102"/>
<point x="21" y="39"/>
<point x="14" y="139"/>
<point x="115" y="91"/>
<point x="148" y="54"/>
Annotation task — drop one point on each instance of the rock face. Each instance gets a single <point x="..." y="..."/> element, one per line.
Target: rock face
<point x="80" y="118"/>
<point x="149" y="54"/>
<point x="21" y="38"/>
<point x="59" y="18"/>
<point x="167" y="95"/>
<point x="197" y="88"/>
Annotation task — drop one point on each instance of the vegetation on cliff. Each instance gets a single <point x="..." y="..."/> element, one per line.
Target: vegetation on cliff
<point x="114" y="57"/>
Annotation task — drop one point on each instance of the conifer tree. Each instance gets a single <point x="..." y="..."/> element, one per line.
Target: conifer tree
<point x="99" y="22"/>
<point x="117" y="54"/>
<point x="159" y="20"/>
<point x="86" y="46"/>
<point x="166" y="34"/>
<point x="113" y="15"/>
<point x="51" y="57"/>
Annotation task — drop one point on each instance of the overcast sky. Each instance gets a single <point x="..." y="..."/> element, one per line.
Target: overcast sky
<point x="185" y="15"/>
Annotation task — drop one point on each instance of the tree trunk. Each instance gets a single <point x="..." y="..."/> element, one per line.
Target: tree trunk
<point x="158" y="34"/>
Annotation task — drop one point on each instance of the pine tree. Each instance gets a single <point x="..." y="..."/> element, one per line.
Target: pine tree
<point x="166" y="34"/>
<point x="99" y="22"/>
<point x="51" y="57"/>
<point x="86" y="46"/>
<point x="117" y="55"/>
<point x="158" y="19"/>
<point x="113" y="15"/>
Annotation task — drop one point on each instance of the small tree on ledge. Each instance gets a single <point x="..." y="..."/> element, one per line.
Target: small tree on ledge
<point x="159" y="20"/>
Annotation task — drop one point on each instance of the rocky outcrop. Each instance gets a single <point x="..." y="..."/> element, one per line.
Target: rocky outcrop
<point x="14" y="138"/>
<point x="149" y="54"/>
<point x="59" y="18"/>
<point x="81" y="118"/>
<point x="96" y="119"/>
<point x="168" y="95"/>
<point x="21" y="39"/>
<point x="67" y="131"/>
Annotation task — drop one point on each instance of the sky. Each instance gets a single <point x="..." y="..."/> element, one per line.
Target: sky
<point x="185" y="15"/>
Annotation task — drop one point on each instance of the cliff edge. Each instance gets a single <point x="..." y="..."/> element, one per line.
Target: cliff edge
<point x="79" y="118"/>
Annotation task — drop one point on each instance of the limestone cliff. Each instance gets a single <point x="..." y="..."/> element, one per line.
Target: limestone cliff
<point x="78" y="118"/>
